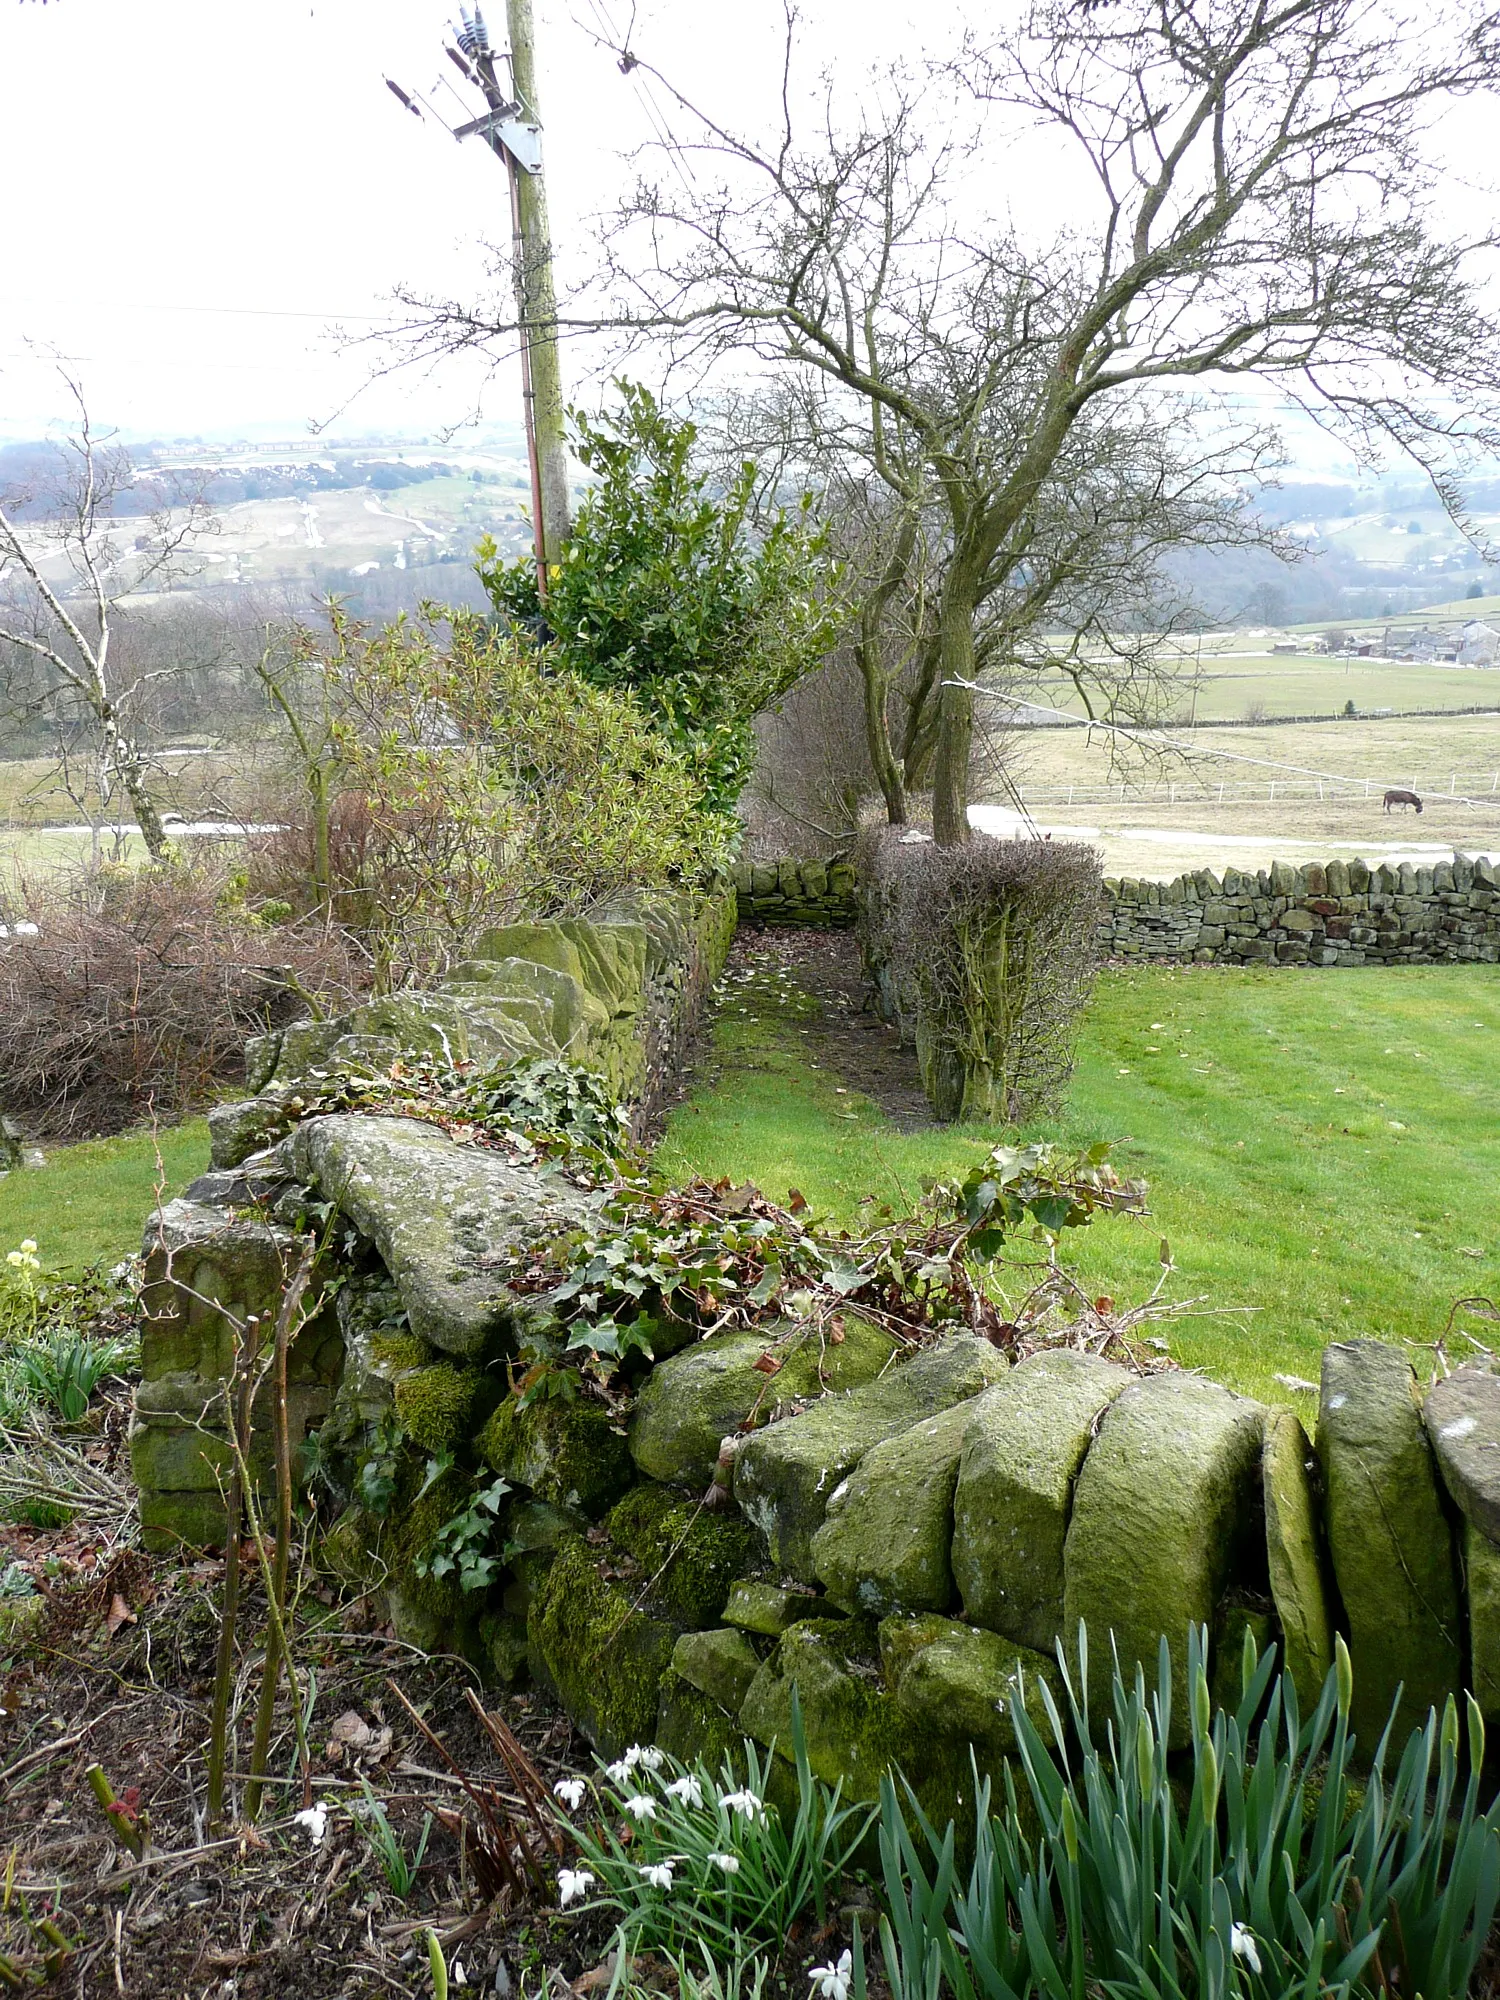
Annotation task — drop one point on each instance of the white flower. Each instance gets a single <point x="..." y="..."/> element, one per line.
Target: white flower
<point x="617" y="1773"/>
<point x="28" y="1246"/>
<point x="640" y="1807"/>
<point x="314" y="1821"/>
<point x="730" y="1863"/>
<point x="570" y="1791"/>
<point x="659" y="1874"/>
<point x="831" y="1982"/>
<point x="646" y="1755"/>
<point x="742" y="1802"/>
<point x="571" y="1884"/>
<point x="687" y="1789"/>
<point x="1242" y="1944"/>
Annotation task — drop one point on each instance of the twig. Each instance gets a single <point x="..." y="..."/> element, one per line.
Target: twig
<point x="239" y="1418"/>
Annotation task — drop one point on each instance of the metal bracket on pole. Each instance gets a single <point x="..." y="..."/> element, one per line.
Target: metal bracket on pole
<point x="523" y="141"/>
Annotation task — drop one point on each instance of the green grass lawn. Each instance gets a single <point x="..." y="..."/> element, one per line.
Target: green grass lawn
<point x="90" y="1202"/>
<point x="1323" y="1149"/>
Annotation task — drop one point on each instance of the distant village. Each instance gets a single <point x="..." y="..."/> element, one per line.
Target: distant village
<point x="1470" y="643"/>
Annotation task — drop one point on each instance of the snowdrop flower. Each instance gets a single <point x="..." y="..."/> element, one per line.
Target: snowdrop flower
<point x="314" y="1821"/>
<point x="646" y="1755"/>
<point x="618" y="1772"/>
<point x="1242" y="1944"/>
<point x="831" y="1982"/>
<point x="742" y="1802"/>
<point x="571" y="1884"/>
<point x="659" y="1874"/>
<point x="640" y="1807"/>
<point x="730" y="1863"/>
<point x="570" y="1791"/>
<point x="687" y="1789"/>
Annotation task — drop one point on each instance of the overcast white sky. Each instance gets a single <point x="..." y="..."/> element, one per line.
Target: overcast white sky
<point x="199" y="189"/>
<point x="207" y="184"/>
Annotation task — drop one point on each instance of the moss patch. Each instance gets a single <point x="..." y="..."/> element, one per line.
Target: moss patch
<point x="690" y="1557"/>
<point x="397" y="1352"/>
<point x="605" y="1659"/>
<point x="436" y="1405"/>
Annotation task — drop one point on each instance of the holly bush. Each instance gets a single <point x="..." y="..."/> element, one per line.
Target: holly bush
<point x="676" y="593"/>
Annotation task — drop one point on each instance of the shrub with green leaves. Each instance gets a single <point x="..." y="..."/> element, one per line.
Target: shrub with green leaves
<point x="686" y="1859"/>
<point x="669" y="590"/>
<point x="63" y="1370"/>
<point x="1265" y="1868"/>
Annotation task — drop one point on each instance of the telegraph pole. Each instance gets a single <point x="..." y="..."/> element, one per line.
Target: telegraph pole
<point x="512" y="130"/>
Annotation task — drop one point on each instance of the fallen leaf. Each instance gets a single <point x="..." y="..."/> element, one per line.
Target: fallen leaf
<point x="351" y="1728"/>
<point x="119" y="1614"/>
<point x="768" y="1365"/>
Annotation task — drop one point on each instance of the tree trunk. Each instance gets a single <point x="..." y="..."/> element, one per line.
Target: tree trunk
<point x="121" y="756"/>
<point x="317" y="784"/>
<point x="955" y="730"/>
<point x="877" y="729"/>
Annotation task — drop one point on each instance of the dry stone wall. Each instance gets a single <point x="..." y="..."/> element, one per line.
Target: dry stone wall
<point x="1331" y="913"/>
<point x="1326" y="913"/>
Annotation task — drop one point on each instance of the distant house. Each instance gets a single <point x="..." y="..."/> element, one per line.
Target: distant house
<point x="1478" y="644"/>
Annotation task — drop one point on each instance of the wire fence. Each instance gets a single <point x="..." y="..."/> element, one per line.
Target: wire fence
<point x="1457" y="787"/>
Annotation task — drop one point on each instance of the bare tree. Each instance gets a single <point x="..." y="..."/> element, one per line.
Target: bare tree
<point x="63" y="571"/>
<point x="1262" y="203"/>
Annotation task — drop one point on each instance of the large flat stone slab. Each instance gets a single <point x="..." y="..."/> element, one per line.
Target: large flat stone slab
<point x="1296" y="1554"/>
<point x="1389" y="1537"/>
<point x="444" y="1218"/>
<point x="1166" y="1495"/>
<point x="692" y="1401"/>
<point x="885" y="1543"/>
<point x="1462" y="1414"/>
<point x="784" y="1475"/>
<point x="1023" y="1446"/>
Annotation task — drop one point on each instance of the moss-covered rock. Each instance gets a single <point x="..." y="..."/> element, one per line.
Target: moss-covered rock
<point x="1389" y="1536"/>
<point x="1296" y="1554"/>
<point x="692" y="1726"/>
<point x="1237" y="1621"/>
<point x="21" y="1619"/>
<point x="1162" y="1512"/>
<point x="437" y="1404"/>
<point x="572" y="1454"/>
<point x="689" y="1403"/>
<point x="958" y="1680"/>
<point x="885" y="1543"/>
<point x="441" y="1216"/>
<point x="783" y="1475"/>
<point x="721" y="1664"/>
<point x="688" y="1559"/>
<point x="405" y="1538"/>
<point x="506" y="1651"/>
<point x="768" y="1608"/>
<point x="1462" y="1414"/>
<point x="1482" y="1574"/>
<point x="1023" y="1445"/>
<point x="603" y="1656"/>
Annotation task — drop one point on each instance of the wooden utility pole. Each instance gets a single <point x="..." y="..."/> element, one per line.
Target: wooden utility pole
<point x="536" y="297"/>
<point x="512" y="129"/>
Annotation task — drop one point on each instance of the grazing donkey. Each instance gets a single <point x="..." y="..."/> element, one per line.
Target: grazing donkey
<point x="1402" y="799"/>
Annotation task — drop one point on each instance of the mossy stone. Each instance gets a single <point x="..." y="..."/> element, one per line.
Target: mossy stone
<point x="572" y="1454"/>
<point x="406" y="1536"/>
<point x="1023" y="1445"/>
<point x="503" y="1638"/>
<point x="769" y="1609"/>
<point x="721" y="1663"/>
<point x="693" y="1727"/>
<point x="885" y="1543"/>
<point x="21" y="1619"/>
<point x="172" y="1522"/>
<point x="1462" y="1414"/>
<point x="441" y="1215"/>
<point x="1482" y="1571"/>
<point x="436" y="1405"/>
<point x="1168" y="1494"/>
<point x="688" y="1558"/>
<point x="784" y="1474"/>
<point x="1237" y="1620"/>
<point x="959" y="1680"/>
<point x="1389" y="1537"/>
<point x="1296" y="1555"/>
<point x="689" y="1403"/>
<point x="604" y="1657"/>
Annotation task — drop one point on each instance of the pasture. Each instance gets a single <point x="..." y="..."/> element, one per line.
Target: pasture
<point x="1322" y="1149"/>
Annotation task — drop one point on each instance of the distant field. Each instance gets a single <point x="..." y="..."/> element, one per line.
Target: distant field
<point x="1237" y="685"/>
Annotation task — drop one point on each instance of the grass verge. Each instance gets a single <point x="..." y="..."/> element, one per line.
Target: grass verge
<point x="1322" y="1148"/>
<point x="90" y="1202"/>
